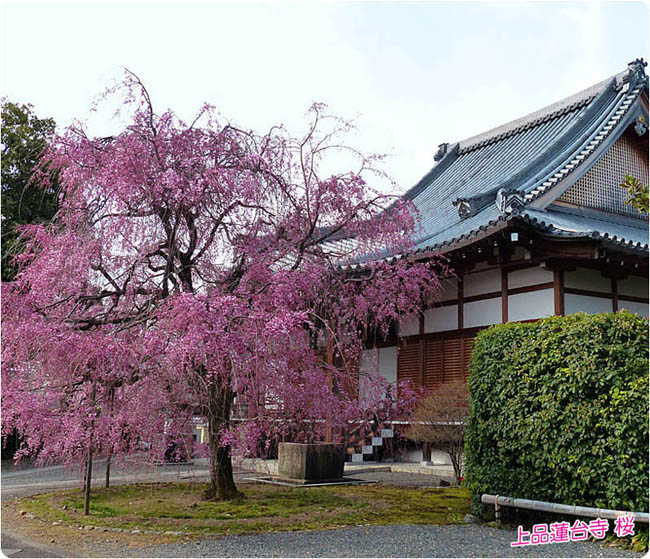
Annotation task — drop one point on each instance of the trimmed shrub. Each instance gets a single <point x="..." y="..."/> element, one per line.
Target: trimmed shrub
<point x="559" y="411"/>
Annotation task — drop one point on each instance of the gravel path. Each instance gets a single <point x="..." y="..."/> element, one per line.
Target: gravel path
<point x="379" y="541"/>
<point x="360" y="541"/>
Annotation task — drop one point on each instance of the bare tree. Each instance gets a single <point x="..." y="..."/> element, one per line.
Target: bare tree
<point x="439" y="420"/>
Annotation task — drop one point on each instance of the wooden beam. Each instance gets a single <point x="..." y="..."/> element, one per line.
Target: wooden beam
<point x="569" y="250"/>
<point x="558" y="292"/>
<point x="632" y="298"/>
<point x="529" y="288"/>
<point x="482" y="297"/>
<point x="587" y="292"/>
<point x="493" y="295"/>
<point x="619" y="297"/>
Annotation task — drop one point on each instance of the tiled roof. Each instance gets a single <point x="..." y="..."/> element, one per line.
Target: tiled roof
<point x="571" y="225"/>
<point x="528" y="157"/>
<point x="564" y="106"/>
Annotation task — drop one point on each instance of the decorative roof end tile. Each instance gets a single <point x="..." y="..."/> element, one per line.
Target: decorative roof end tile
<point x="442" y="151"/>
<point x="636" y="72"/>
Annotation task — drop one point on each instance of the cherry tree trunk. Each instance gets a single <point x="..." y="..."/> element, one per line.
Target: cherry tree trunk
<point x="87" y="481"/>
<point x="108" y="470"/>
<point x="222" y="482"/>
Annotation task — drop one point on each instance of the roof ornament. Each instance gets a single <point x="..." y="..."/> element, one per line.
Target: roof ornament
<point x="508" y="201"/>
<point x="636" y="72"/>
<point x="641" y="126"/>
<point x="465" y="206"/>
<point x="442" y="151"/>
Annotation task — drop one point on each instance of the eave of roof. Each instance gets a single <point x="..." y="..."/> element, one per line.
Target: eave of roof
<point x="551" y="224"/>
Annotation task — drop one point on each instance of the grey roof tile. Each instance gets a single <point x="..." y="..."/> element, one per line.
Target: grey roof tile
<point x="531" y="154"/>
<point x="572" y="225"/>
<point x="570" y="103"/>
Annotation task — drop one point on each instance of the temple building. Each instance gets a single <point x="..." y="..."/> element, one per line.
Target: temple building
<point x="534" y="222"/>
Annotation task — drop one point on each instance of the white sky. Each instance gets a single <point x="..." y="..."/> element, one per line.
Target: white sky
<point x="415" y="73"/>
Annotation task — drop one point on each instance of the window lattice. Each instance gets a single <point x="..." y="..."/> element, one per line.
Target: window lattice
<point x="600" y="186"/>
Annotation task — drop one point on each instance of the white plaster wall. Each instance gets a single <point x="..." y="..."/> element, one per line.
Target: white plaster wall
<point x="482" y="313"/>
<point x="583" y="278"/>
<point x="373" y="362"/>
<point x="520" y="253"/>
<point x="409" y="326"/>
<point x="388" y="363"/>
<point x="440" y="319"/>
<point x="482" y="282"/>
<point x="528" y="276"/>
<point x="534" y="304"/>
<point x="369" y="361"/>
<point x="483" y="265"/>
<point x="591" y="305"/>
<point x="635" y="286"/>
<point x="448" y="290"/>
<point x="438" y="457"/>
<point x="368" y="367"/>
<point x="632" y="306"/>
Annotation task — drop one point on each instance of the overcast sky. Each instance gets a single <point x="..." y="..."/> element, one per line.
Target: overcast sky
<point x="415" y="73"/>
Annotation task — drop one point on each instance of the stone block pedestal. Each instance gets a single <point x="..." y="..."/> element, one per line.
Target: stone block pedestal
<point x="310" y="462"/>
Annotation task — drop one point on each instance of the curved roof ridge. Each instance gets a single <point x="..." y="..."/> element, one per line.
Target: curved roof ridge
<point x="558" y="108"/>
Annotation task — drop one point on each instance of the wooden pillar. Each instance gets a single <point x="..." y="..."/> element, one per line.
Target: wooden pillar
<point x="558" y="291"/>
<point x="460" y="302"/>
<point x="504" y="296"/>
<point x="614" y="295"/>
<point x="426" y="452"/>
<point x="421" y="361"/>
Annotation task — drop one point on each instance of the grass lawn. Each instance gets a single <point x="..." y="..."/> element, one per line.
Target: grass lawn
<point x="178" y="507"/>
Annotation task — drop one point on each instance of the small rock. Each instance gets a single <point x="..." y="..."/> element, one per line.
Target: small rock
<point x="29" y="516"/>
<point x="135" y="531"/>
<point x="22" y="512"/>
<point x="65" y="507"/>
<point x="52" y="540"/>
<point x="471" y="519"/>
<point x="56" y="523"/>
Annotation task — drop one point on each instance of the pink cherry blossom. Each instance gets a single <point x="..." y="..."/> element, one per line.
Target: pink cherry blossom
<point x="200" y="269"/>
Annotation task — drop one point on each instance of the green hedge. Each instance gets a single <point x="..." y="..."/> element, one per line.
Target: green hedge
<point x="559" y="411"/>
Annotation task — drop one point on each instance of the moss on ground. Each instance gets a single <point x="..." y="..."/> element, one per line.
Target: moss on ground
<point x="178" y="507"/>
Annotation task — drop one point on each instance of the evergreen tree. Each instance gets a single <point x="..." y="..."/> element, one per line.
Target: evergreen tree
<point x="24" y="139"/>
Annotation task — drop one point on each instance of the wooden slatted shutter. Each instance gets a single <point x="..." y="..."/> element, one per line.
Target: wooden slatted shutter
<point x="433" y="363"/>
<point x="468" y="344"/>
<point x="408" y="362"/>
<point x="452" y="349"/>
